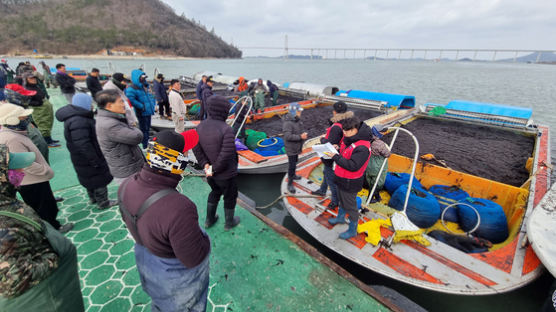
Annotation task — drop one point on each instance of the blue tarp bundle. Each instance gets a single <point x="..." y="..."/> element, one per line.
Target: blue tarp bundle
<point x="491" y="109"/>
<point x="394" y="100"/>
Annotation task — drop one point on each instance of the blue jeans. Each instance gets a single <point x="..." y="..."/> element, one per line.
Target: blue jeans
<point x="328" y="181"/>
<point x="145" y="126"/>
<point x="172" y="286"/>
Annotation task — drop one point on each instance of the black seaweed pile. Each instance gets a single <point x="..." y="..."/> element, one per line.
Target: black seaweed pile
<point x="315" y="121"/>
<point x="495" y="154"/>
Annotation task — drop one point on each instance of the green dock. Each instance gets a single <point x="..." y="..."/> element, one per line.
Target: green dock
<point x="252" y="267"/>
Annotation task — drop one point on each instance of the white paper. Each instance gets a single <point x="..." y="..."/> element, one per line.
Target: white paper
<point x="321" y="148"/>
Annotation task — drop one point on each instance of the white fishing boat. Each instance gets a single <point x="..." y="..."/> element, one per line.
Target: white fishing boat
<point x="440" y="267"/>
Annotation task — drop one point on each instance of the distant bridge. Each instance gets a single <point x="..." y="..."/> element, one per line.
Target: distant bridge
<point x="407" y="53"/>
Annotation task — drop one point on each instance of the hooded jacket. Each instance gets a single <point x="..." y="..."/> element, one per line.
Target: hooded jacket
<point x="217" y="140"/>
<point x="141" y="99"/>
<point x="81" y="141"/>
<point x="359" y="157"/>
<point x="292" y="128"/>
<point x="119" y="144"/>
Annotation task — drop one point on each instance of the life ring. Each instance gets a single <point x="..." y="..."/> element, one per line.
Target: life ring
<point x="274" y="142"/>
<point x="459" y="203"/>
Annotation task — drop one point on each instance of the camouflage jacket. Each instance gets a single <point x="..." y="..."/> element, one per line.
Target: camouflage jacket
<point x="26" y="257"/>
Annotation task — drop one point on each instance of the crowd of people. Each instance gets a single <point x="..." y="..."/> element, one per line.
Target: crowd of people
<point x="114" y="144"/>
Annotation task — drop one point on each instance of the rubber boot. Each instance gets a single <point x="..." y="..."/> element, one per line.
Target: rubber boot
<point x="351" y="232"/>
<point x="231" y="221"/>
<point x="376" y="198"/>
<point x="341" y="218"/>
<point x="291" y="189"/>
<point x="212" y="217"/>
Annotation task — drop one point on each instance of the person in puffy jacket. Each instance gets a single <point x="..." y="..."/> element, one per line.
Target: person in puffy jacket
<point x="86" y="156"/>
<point x="206" y="92"/>
<point x="119" y="83"/>
<point x="117" y="139"/>
<point x="216" y="152"/>
<point x="142" y="100"/>
<point x="294" y="136"/>
<point x="351" y="163"/>
<point x="39" y="264"/>
<point x="273" y="91"/>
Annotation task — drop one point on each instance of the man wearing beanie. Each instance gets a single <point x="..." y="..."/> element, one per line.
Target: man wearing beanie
<point x="117" y="139"/>
<point x="86" y="156"/>
<point x="294" y="136"/>
<point x="171" y="250"/>
<point x="334" y="135"/>
<point x="35" y="188"/>
<point x="119" y="83"/>
<point x="216" y="152"/>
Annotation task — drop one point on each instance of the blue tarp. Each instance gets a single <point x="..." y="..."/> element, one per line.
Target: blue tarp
<point x="394" y="100"/>
<point x="491" y="109"/>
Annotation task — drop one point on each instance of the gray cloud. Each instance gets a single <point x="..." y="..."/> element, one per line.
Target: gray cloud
<point x="510" y="24"/>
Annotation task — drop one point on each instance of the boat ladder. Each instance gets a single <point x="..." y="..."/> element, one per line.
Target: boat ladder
<point x="371" y="192"/>
<point x="245" y="101"/>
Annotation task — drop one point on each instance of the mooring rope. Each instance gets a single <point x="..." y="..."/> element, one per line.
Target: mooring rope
<point x="286" y="195"/>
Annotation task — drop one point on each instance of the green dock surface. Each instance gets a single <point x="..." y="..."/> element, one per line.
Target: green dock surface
<point x="252" y="267"/>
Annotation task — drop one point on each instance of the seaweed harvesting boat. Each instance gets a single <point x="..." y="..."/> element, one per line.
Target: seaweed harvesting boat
<point x="492" y="152"/>
<point x="318" y="111"/>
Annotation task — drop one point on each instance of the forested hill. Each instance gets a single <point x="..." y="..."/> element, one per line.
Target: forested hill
<point x="90" y="26"/>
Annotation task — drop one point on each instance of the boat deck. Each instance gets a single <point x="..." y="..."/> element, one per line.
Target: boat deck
<point x="252" y="267"/>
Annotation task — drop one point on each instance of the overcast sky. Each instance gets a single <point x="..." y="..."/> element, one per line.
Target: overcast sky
<point x="490" y="24"/>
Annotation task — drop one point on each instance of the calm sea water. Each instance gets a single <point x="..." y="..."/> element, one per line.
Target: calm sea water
<point x="526" y="85"/>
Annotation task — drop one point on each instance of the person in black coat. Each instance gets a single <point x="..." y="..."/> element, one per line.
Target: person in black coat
<point x="86" y="156"/>
<point x="65" y="81"/>
<point x="216" y="152"/>
<point x="294" y="137"/>
<point x="93" y="84"/>
<point x="206" y="92"/>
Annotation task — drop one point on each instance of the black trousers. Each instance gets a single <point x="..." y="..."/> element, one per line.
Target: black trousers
<point x="292" y="164"/>
<point x="348" y="202"/>
<point x="164" y="105"/>
<point x="227" y="187"/>
<point x="98" y="196"/>
<point x="40" y="197"/>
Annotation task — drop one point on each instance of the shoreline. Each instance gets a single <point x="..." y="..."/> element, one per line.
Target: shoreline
<point x="107" y="57"/>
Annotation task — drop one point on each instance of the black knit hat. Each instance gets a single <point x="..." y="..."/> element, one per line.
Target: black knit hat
<point x="340" y="107"/>
<point x="120" y="77"/>
<point x="170" y="139"/>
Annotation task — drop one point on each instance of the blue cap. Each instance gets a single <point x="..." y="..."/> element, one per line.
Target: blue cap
<point x="82" y="100"/>
<point x="21" y="160"/>
<point x="293" y="108"/>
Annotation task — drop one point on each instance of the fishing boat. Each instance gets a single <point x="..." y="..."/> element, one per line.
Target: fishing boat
<point x="320" y="97"/>
<point x="500" y="267"/>
<point x="540" y="230"/>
